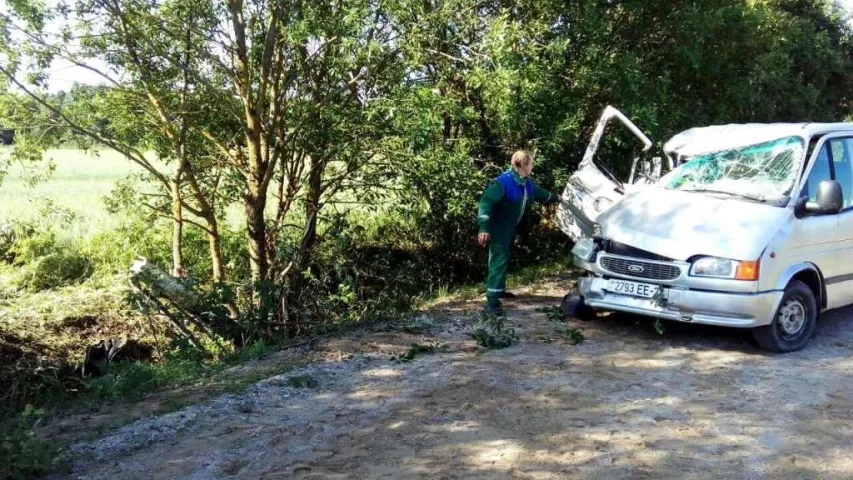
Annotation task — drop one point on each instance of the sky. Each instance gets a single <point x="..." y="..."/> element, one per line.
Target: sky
<point x="63" y="74"/>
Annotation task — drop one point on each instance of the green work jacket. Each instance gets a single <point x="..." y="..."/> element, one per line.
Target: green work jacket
<point x="506" y="200"/>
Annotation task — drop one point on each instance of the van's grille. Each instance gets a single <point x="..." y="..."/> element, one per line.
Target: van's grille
<point x="640" y="268"/>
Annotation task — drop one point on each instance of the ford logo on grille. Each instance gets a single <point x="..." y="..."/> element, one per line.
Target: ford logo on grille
<point x="636" y="268"/>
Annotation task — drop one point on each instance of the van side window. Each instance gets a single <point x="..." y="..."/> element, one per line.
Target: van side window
<point x="819" y="173"/>
<point x="840" y="149"/>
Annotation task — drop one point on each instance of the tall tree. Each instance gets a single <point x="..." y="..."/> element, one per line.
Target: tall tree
<point x="267" y="86"/>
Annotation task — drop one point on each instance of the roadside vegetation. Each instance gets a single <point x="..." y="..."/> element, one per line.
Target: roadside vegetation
<point x="326" y="173"/>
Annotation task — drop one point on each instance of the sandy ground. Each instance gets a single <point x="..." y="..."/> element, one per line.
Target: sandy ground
<point x="695" y="402"/>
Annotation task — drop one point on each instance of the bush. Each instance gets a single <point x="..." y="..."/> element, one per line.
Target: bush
<point x="29" y="246"/>
<point x="54" y="270"/>
<point x="22" y="454"/>
<point x="113" y="251"/>
<point x="44" y="262"/>
<point x="495" y="334"/>
<point x="7" y="242"/>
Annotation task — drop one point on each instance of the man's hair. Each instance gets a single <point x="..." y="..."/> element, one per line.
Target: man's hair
<point x="521" y="158"/>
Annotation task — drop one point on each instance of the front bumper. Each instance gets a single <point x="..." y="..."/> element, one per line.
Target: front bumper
<point x="727" y="309"/>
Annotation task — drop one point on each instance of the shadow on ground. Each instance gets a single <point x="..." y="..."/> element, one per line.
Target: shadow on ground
<point x="628" y="402"/>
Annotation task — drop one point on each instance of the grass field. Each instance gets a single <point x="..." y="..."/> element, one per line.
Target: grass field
<point x="79" y="182"/>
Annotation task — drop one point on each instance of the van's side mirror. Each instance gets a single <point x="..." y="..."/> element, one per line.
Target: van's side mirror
<point x="830" y="199"/>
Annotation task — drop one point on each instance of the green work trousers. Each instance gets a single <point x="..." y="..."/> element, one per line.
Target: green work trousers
<point x="500" y="246"/>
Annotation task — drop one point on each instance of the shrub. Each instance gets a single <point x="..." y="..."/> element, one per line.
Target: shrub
<point x="28" y="248"/>
<point x="113" y="251"/>
<point x="575" y="336"/>
<point x="44" y="262"/>
<point x="22" y="454"/>
<point x="54" y="270"/>
<point x="7" y="241"/>
<point x="495" y="334"/>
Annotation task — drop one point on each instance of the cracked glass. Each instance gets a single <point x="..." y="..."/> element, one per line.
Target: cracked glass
<point x="764" y="171"/>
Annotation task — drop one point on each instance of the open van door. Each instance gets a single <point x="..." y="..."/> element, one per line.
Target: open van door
<point x="592" y="189"/>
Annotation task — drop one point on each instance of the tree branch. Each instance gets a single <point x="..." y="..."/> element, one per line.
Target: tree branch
<point x="126" y="150"/>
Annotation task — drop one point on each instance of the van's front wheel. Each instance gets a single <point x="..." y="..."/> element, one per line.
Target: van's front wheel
<point x="575" y="306"/>
<point x="794" y="322"/>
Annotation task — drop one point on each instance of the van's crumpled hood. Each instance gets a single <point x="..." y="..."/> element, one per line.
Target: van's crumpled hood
<point x="680" y="225"/>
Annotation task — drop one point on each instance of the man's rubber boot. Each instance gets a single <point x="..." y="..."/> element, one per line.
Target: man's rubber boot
<point x="493" y="306"/>
<point x="495" y="310"/>
<point x="494" y="301"/>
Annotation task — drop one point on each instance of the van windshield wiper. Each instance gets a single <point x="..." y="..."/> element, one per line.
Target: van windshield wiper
<point x="753" y="198"/>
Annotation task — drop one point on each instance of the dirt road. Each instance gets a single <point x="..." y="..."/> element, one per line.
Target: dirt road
<point x="695" y="402"/>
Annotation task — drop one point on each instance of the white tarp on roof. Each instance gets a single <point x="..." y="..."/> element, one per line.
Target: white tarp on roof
<point x="699" y="140"/>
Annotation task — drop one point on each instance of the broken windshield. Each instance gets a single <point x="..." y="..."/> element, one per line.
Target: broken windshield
<point x="764" y="171"/>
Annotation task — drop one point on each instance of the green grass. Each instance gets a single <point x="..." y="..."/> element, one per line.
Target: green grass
<point x="575" y="336"/>
<point x="553" y="312"/>
<point x="79" y="183"/>
<point x="22" y="453"/>
<point x="133" y="380"/>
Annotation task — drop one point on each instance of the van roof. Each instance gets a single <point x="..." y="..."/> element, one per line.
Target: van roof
<point x="700" y="140"/>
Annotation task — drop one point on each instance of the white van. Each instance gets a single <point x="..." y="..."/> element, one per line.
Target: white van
<point x="751" y="227"/>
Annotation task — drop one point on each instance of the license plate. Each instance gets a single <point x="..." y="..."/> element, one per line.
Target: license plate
<point x="636" y="289"/>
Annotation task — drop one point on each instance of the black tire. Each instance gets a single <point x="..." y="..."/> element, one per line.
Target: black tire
<point x="784" y="334"/>
<point x="574" y="306"/>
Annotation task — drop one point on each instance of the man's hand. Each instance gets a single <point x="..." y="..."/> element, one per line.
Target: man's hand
<point x="483" y="239"/>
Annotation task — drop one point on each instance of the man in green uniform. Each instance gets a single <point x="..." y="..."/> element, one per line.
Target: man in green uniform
<point x="502" y="206"/>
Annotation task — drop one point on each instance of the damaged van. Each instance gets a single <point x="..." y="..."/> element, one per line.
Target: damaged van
<point x="751" y="226"/>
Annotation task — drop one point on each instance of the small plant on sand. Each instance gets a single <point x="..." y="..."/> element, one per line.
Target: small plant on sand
<point x="575" y="336"/>
<point x="415" y="350"/>
<point x="302" y="381"/>
<point x="553" y="312"/>
<point x="494" y="334"/>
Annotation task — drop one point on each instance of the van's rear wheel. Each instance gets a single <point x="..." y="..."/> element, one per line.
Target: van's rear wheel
<point x="794" y="322"/>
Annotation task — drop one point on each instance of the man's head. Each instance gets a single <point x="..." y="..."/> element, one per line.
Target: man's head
<point x="522" y="162"/>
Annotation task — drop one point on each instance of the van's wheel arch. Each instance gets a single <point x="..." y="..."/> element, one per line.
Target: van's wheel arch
<point x="794" y="322"/>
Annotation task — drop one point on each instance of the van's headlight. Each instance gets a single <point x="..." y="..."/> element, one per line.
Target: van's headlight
<point x="584" y="249"/>
<point x="714" y="267"/>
